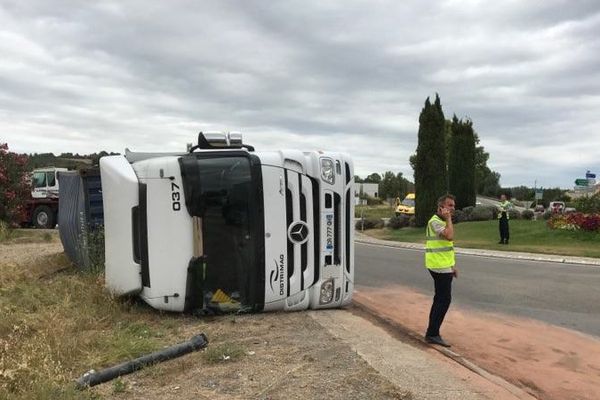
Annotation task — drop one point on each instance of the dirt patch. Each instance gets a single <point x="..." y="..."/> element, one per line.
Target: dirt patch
<point x="27" y="250"/>
<point x="284" y="356"/>
<point x="32" y="256"/>
<point x="550" y="362"/>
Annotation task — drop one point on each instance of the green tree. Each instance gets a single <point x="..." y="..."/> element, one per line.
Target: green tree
<point x="461" y="163"/>
<point x="489" y="185"/>
<point x="487" y="182"/>
<point x="15" y="186"/>
<point x="393" y="185"/>
<point x="387" y="185"/>
<point x="430" y="161"/>
<point x="554" y="194"/>
<point x="373" y="178"/>
<point x="522" y="193"/>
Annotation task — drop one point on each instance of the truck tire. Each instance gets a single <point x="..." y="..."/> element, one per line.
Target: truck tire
<point x="43" y="218"/>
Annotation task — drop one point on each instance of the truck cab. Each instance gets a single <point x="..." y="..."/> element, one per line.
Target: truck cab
<point x="45" y="182"/>
<point x="42" y="207"/>
<point x="225" y="228"/>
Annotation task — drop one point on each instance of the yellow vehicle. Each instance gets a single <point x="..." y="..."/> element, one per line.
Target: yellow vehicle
<point x="407" y="207"/>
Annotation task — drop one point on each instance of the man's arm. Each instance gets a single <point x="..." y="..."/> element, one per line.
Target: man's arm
<point x="448" y="232"/>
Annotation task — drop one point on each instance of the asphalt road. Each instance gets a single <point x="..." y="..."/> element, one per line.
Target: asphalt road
<point x="565" y="295"/>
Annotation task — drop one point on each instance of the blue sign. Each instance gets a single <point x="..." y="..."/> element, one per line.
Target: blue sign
<point x="589" y="175"/>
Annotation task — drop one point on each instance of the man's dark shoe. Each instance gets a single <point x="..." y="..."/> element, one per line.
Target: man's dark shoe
<point x="436" y="340"/>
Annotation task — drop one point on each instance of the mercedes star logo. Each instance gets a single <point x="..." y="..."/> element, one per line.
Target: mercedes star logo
<point x="298" y="232"/>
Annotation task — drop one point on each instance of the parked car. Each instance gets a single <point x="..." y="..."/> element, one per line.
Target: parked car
<point x="556" y="206"/>
<point x="407" y="207"/>
<point x="539" y="208"/>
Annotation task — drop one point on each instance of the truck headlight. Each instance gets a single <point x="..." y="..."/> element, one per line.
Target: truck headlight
<point x="327" y="170"/>
<point x="327" y="290"/>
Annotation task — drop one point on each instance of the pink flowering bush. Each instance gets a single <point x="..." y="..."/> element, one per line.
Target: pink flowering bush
<point x="575" y="222"/>
<point x="15" y="186"/>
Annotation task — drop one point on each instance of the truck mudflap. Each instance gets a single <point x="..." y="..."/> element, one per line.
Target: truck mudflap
<point x="120" y="196"/>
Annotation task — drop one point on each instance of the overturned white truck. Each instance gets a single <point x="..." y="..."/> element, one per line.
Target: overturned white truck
<point x="225" y="228"/>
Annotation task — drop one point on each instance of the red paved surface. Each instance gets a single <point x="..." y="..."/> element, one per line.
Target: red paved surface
<point x="554" y="363"/>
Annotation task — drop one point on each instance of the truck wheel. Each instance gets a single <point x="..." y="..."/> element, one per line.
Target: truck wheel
<point x="43" y="218"/>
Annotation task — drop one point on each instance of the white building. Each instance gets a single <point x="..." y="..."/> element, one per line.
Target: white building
<point x="370" y="189"/>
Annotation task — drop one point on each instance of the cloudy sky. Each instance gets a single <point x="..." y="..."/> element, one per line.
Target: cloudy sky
<point x="81" y="76"/>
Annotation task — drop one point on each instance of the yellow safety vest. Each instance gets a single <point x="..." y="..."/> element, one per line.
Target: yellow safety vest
<point x="504" y="207"/>
<point x="439" y="253"/>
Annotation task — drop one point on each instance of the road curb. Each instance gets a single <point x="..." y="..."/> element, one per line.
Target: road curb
<point x="520" y="393"/>
<point x="593" y="262"/>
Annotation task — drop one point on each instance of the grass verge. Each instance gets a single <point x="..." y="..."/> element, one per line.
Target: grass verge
<point x="526" y="236"/>
<point x="58" y="323"/>
<point x="381" y="211"/>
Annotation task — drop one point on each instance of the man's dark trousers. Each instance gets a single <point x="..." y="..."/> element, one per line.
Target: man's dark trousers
<point x="503" y="225"/>
<point x="441" y="301"/>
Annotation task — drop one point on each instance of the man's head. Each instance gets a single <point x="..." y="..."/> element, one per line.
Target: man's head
<point x="503" y="197"/>
<point x="447" y="201"/>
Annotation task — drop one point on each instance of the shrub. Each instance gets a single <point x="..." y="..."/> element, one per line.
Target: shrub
<point x="15" y="187"/>
<point x="527" y="214"/>
<point x="459" y="216"/>
<point x="514" y="214"/>
<point x="588" y="204"/>
<point x="397" y="222"/>
<point x="95" y="251"/>
<point x="590" y="223"/>
<point x="547" y="214"/>
<point x="369" y="223"/>
<point x="468" y="211"/>
<point x="412" y="222"/>
<point x="483" y="213"/>
<point x="560" y="221"/>
<point x="372" y="201"/>
<point x="575" y="221"/>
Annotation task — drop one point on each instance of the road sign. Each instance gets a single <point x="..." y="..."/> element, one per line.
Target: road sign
<point x="539" y="194"/>
<point x="581" y="182"/>
<point x="590" y="175"/>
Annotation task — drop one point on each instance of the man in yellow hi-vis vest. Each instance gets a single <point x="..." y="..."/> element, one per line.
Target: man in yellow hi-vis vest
<point x="439" y="260"/>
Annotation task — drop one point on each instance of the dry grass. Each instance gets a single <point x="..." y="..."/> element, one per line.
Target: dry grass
<point x="6" y="233"/>
<point x="58" y="323"/>
<point x="224" y="352"/>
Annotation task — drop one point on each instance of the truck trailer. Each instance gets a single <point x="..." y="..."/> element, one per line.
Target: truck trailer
<point x="223" y="227"/>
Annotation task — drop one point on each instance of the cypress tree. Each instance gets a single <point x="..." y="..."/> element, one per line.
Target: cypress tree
<point x="430" y="161"/>
<point x="461" y="163"/>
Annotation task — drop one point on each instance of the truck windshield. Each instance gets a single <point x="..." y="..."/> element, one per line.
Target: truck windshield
<point x="225" y="192"/>
<point x="39" y="179"/>
<point x="408" y="202"/>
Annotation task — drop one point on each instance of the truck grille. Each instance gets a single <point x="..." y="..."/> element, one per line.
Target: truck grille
<point x="302" y="205"/>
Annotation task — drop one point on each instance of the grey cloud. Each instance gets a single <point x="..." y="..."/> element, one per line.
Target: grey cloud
<point x="350" y="75"/>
